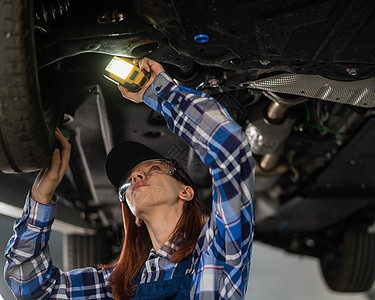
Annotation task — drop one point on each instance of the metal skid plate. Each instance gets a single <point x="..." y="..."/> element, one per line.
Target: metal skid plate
<point x="358" y="93"/>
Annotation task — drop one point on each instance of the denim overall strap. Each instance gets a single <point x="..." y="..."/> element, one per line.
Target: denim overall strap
<point x="177" y="288"/>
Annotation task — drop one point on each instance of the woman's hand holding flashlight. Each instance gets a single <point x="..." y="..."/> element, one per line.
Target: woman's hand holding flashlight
<point x="150" y="66"/>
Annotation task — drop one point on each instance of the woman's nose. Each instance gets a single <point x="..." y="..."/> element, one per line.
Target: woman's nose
<point x="138" y="175"/>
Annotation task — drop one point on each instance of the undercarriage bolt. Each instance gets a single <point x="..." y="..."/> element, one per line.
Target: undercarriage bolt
<point x="213" y="82"/>
<point x="352" y="71"/>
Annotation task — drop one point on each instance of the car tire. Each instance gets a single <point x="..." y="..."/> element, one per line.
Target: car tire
<point x="351" y="267"/>
<point x="26" y="122"/>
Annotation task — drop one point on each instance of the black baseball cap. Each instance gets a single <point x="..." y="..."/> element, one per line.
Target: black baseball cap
<point x="125" y="156"/>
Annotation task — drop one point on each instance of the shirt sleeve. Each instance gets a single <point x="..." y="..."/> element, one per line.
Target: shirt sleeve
<point x="201" y="121"/>
<point x="29" y="271"/>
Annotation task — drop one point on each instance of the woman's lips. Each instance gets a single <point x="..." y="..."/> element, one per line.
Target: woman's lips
<point x="138" y="185"/>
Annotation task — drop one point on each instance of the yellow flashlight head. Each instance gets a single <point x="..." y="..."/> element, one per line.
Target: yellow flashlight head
<point x="123" y="71"/>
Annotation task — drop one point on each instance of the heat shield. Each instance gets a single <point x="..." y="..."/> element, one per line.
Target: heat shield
<point x="358" y="93"/>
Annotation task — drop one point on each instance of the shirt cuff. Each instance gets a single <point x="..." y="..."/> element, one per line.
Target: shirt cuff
<point x="161" y="85"/>
<point x="39" y="215"/>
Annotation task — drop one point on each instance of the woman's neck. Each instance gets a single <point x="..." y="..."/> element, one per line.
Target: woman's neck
<point x="161" y="224"/>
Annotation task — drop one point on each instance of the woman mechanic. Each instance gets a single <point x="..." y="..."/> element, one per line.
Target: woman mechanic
<point x="168" y="252"/>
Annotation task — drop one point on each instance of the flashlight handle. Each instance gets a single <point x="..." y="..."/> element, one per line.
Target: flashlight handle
<point x="147" y="74"/>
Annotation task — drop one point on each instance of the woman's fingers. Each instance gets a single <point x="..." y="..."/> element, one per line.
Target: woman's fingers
<point x="53" y="172"/>
<point x="129" y="95"/>
<point x="150" y="66"/>
<point x="124" y="91"/>
<point x="64" y="154"/>
<point x="144" y="63"/>
<point x="50" y="177"/>
<point x="154" y="67"/>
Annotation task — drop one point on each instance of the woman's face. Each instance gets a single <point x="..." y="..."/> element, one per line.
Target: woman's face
<point x="152" y="184"/>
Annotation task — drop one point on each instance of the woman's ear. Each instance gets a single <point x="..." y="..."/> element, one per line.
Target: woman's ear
<point x="187" y="194"/>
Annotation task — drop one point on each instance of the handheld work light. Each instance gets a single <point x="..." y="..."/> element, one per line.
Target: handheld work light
<point x="123" y="71"/>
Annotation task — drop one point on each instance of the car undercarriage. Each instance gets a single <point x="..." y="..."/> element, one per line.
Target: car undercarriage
<point x="298" y="76"/>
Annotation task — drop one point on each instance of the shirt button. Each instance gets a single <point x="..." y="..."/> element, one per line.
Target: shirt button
<point x="153" y="268"/>
<point x="158" y="88"/>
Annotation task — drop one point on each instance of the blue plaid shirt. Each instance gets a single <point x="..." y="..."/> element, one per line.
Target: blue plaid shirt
<point x="221" y="259"/>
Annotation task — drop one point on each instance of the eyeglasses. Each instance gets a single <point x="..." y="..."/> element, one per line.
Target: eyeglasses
<point x="153" y="167"/>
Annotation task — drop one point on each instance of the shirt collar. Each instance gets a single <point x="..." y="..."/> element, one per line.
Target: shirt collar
<point x="167" y="250"/>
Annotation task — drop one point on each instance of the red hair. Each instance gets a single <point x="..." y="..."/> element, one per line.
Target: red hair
<point x="137" y="245"/>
